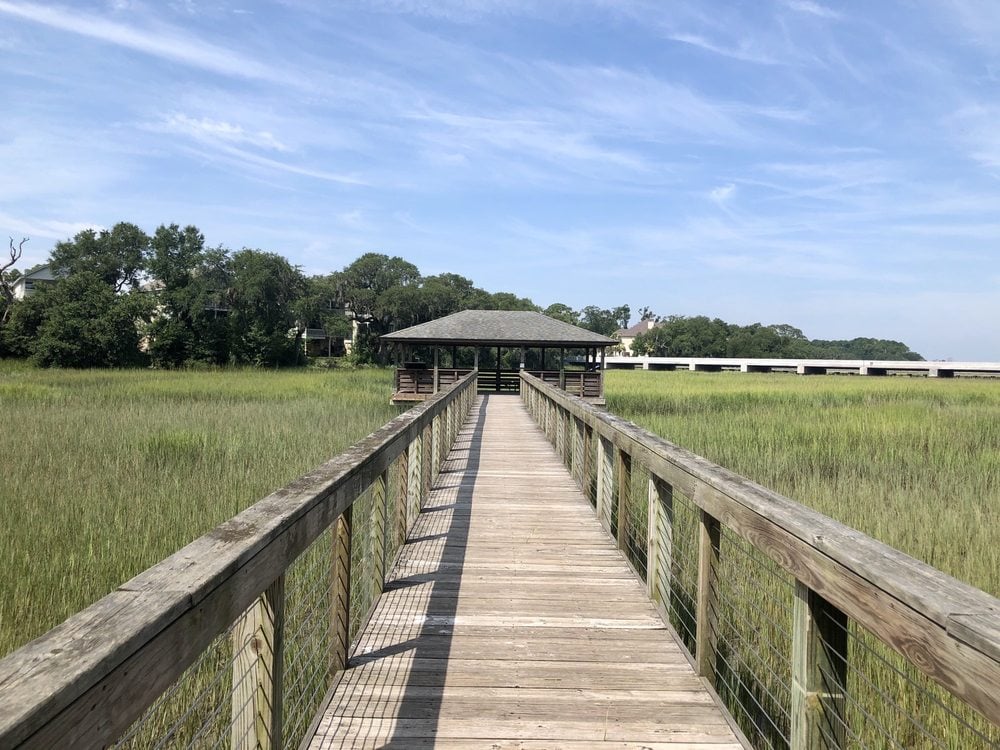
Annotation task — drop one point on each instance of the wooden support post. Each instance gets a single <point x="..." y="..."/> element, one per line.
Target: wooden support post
<point x="623" y="492"/>
<point x="819" y="673"/>
<point x="660" y="547"/>
<point x="475" y="359"/>
<point x="562" y="369"/>
<point x="588" y="460"/>
<point x="380" y="514"/>
<point x="258" y="659"/>
<point x="340" y="593"/>
<point x="521" y="366"/>
<point x="709" y="535"/>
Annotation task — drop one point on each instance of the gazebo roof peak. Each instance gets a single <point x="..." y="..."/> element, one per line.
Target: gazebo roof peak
<point x="499" y="328"/>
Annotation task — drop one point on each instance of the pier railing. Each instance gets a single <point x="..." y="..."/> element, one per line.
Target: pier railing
<point x="234" y="640"/>
<point x="813" y="634"/>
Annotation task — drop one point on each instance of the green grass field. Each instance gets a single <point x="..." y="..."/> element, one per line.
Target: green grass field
<point x="912" y="462"/>
<point x="105" y="473"/>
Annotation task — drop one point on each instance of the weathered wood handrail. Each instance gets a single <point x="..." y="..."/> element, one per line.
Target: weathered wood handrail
<point x="86" y="681"/>
<point x="947" y="629"/>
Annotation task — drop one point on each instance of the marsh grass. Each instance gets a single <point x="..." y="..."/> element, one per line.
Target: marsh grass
<point x="912" y="462"/>
<point x="108" y="472"/>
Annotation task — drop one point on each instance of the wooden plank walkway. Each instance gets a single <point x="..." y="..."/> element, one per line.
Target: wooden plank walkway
<point x="511" y="621"/>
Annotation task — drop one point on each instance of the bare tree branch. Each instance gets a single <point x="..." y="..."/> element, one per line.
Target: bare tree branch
<point x="6" y="288"/>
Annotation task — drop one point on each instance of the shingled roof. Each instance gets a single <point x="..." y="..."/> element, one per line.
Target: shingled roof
<point x="498" y="328"/>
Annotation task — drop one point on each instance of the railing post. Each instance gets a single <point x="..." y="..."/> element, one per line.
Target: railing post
<point x="709" y="535"/>
<point x="819" y="673"/>
<point x="660" y="545"/>
<point x="380" y="515"/>
<point x="588" y="439"/>
<point x="623" y="492"/>
<point x="258" y="659"/>
<point x="340" y="593"/>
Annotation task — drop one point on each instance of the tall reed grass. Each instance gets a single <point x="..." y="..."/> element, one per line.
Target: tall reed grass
<point x="105" y="473"/>
<point x="912" y="462"/>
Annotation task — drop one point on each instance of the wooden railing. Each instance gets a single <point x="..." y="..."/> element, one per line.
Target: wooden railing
<point x="420" y="382"/>
<point x="812" y="633"/>
<point x="235" y="639"/>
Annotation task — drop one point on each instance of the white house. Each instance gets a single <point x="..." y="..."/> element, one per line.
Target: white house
<point x="26" y="285"/>
<point x="627" y="335"/>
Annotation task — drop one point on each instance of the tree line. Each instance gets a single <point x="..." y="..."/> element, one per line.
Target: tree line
<point x="124" y="298"/>
<point x="699" y="336"/>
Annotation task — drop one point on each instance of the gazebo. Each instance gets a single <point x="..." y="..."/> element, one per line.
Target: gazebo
<point x="500" y="344"/>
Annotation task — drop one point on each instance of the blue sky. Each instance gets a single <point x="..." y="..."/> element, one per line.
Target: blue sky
<point x="831" y="165"/>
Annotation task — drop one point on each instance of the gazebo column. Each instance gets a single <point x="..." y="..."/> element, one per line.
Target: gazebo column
<point x="498" y="369"/>
<point x="522" y="358"/>
<point x="437" y="375"/>
<point x="475" y="358"/>
<point x="562" y="368"/>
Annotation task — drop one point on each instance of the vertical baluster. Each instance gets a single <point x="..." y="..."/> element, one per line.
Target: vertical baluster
<point x="709" y="535"/>
<point x="258" y="666"/>
<point x="819" y="673"/>
<point x="340" y="593"/>
<point x="660" y="547"/>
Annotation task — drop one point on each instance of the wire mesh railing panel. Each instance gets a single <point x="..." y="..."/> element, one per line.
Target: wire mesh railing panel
<point x="395" y="507"/>
<point x="577" y="450"/>
<point x="635" y="517"/>
<point x="427" y="462"/>
<point x="607" y="507"/>
<point x="309" y="602"/>
<point x="589" y="450"/>
<point x="364" y="587"/>
<point x="197" y="710"/>
<point x="754" y="604"/>
<point x="678" y="563"/>
<point x="889" y="703"/>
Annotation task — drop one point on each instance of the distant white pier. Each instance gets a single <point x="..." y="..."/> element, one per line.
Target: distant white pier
<point x="805" y="366"/>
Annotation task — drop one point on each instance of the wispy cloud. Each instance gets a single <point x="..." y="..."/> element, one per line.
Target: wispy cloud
<point x="164" y="42"/>
<point x="813" y="8"/>
<point x="976" y="125"/>
<point x="744" y="52"/>
<point x="722" y="193"/>
<point x="210" y="130"/>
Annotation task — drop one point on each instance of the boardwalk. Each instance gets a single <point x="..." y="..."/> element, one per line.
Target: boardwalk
<point x="511" y="621"/>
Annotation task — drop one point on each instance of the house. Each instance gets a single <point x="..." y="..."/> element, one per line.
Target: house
<point x="627" y="335"/>
<point x="26" y="285"/>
